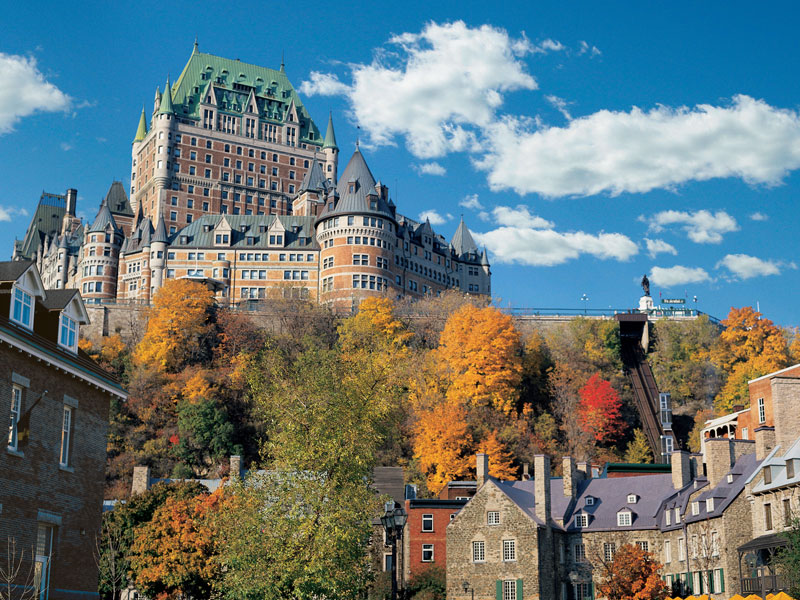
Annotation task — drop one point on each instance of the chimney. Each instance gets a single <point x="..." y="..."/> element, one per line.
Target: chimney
<point x="526" y="474"/>
<point x="583" y="467"/>
<point x="742" y="447"/>
<point x="571" y="476"/>
<point x="719" y="459"/>
<point x="72" y="201"/>
<point x="785" y="400"/>
<point x="236" y="467"/>
<point x="482" y="468"/>
<point x="765" y="441"/>
<point x="141" y="480"/>
<point x="681" y="469"/>
<point x="541" y="479"/>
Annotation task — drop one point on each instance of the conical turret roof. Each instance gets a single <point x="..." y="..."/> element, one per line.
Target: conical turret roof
<point x="330" y="135"/>
<point x="141" y="132"/>
<point x="485" y="258"/>
<point x="462" y="241"/>
<point x="354" y="188"/>
<point x="314" y="179"/>
<point x="160" y="234"/>
<point x="103" y="219"/>
<point x="165" y="108"/>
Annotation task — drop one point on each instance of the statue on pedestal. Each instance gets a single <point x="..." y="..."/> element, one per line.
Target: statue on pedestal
<point x="646" y="285"/>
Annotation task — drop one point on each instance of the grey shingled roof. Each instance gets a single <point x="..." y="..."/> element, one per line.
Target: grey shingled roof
<point x="46" y="221"/>
<point x="462" y="241"/>
<point x="198" y="238"/>
<point x="104" y="219"/>
<point x="355" y="202"/>
<point x="11" y="270"/>
<point x="58" y="299"/>
<point x="117" y="200"/>
<point x="160" y="234"/>
<point x="314" y="179"/>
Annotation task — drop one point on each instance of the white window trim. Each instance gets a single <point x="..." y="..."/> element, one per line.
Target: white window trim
<point x="428" y="547"/>
<point x="509" y="589"/>
<point x="66" y="434"/>
<point x="475" y="545"/>
<point x="427" y="518"/>
<point x="71" y="326"/>
<point x="511" y="547"/>
<point x="624" y="518"/>
<point x="13" y="430"/>
<point x="493" y="517"/>
<point x="14" y="300"/>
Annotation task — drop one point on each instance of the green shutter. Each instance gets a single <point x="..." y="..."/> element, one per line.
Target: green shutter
<point x="591" y="590"/>
<point x="721" y="581"/>
<point x="499" y="587"/>
<point x="700" y="580"/>
<point x="519" y="589"/>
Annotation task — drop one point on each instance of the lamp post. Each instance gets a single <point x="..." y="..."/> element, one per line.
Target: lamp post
<point x="584" y="299"/>
<point x="465" y="586"/>
<point x="393" y="521"/>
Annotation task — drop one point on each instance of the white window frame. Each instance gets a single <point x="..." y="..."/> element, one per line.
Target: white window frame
<point x="479" y="551"/>
<point x="609" y="550"/>
<point x="580" y="553"/>
<point x="695" y="508"/>
<point x="493" y="517"/>
<point x="68" y="333"/>
<point x="624" y="518"/>
<point x="16" y="412"/>
<point x="632" y="498"/>
<point x="66" y="431"/>
<point x="509" y="589"/>
<point x="762" y="411"/>
<point x="23" y="300"/>
<point x="589" y="500"/>
<point x="509" y="550"/>
<point x="677" y="515"/>
<point x="667" y="552"/>
<point x="668" y="517"/>
<point x="427" y="548"/>
<point x="643" y="545"/>
<point x="427" y="519"/>
<point x="709" y="504"/>
<point x="681" y="549"/>
<point x="581" y="520"/>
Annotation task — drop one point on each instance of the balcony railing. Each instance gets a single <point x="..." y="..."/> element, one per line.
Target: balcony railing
<point x="768" y="584"/>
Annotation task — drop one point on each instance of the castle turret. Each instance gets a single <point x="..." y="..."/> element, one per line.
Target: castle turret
<point x="331" y="151"/>
<point x="158" y="254"/>
<point x="100" y="261"/>
<point x="162" y="124"/>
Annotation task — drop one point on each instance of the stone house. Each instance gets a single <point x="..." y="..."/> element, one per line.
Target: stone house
<point x="55" y="400"/>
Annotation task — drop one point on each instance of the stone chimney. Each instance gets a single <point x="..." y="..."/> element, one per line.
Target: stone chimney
<point x="526" y="472"/>
<point x="571" y="476"/>
<point x="482" y="468"/>
<point x="541" y="479"/>
<point x="785" y="400"/>
<point x="681" y="469"/>
<point x="141" y="480"/>
<point x="72" y="201"/>
<point x="719" y="459"/>
<point x="742" y="447"/>
<point x="583" y="467"/>
<point x="765" y="441"/>
<point x="236" y="467"/>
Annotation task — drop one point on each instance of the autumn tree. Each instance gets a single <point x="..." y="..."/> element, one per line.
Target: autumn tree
<point x="172" y="555"/>
<point x="478" y="358"/>
<point x="178" y="325"/>
<point x="443" y="444"/>
<point x="501" y="462"/>
<point x="638" y="450"/>
<point x="564" y="388"/>
<point x="632" y="575"/>
<point x="700" y="418"/>
<point x="599" y="410"/>
<point x="750" y="346"/>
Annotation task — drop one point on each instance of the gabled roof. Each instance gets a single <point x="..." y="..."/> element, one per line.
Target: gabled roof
<point x="103" y="219"/>
<point x="12" y="270"/>
<point x="314" y="179"/>
<point x="58" y="300"/>
<point x="355" y="185"/>
<point x="196" y="236"/>
<point x="462" y="241"/>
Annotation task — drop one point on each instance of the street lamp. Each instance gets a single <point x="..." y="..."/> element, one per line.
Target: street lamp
<point x="584" y="299"/>
<point x="393" y="521"/>
<point x="465" y="585"/>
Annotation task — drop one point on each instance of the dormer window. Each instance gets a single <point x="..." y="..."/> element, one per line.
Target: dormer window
<point x="22" y="308"/>
<point x="730" y="477"/>
<point x="373" y="205"/>
<point x="632" y="498"/>
<point x="352" y="187"/>
<point x="68" y="333"/>
<point x="695" y="508"/>
<point x="668" y="517"/>
<point x="589" y="501"/>
<point x="582" y="520"/>
<point x="624" y="518"/>
<point x="710" y="505"/>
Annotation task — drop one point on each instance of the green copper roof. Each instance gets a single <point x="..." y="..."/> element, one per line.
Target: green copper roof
<point x="165" y="108"/>
<point x="231" y="82"/>
<point x="330" y="135"/>
<point x="142" y="130"/>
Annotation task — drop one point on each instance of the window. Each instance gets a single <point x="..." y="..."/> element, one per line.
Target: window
<point x="427" y="522"/>
<point x="632" y="498"/>
<point x="710" y="505"/>
<point x="66" y="424"/>
<point x="68" y="334"/>
<point x="767" y="475"/>
<point x="645" y="546"/>
<point x="677" y="515"/>
<point x="509" y="550"/>
<point x="510" y="589"/>
<point x="790" y="469"/>
<point x="624" y="518"/>
<point x="681" y="550"/>
<point x="589" y="501"/>
<point x="609" y="550"/>
<point x="580" y="553"/>
<point x="787" y="512"/>
<point x="583" y="591"/>
<point x="21" y="310"/>
<point x="695" y="508"/>
<point x="478" y="551"/>
<point x="762" y="412"/>
<point x="714" y="543"/>
<point x="427" y="552"/>
<point x="582" y="520"/>
<point x="668" y="517"/>
<point x="667" y="552"/>
<point x="16" y="409"/>
<point x="768" y="516"/>
<point x="493" y="517"/>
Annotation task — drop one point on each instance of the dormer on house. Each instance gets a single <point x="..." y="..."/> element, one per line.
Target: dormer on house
<point x="66" y="313"/>
<point x="23" y="284"/>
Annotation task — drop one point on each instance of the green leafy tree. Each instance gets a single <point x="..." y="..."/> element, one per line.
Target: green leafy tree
<point x="788" y="559"/>
<point x="638" y="450"/>
<point x="430" y="584"/>
<point x="205" y="435"/>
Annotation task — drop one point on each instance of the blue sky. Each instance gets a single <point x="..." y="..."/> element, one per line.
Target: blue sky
<point x="585" y="144"/>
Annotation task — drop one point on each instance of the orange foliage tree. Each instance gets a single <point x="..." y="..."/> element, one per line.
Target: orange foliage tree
<point x="750" y="346"/>
<point x="633" y="575"/>
<point x="479" y="358"/>
<point x="599" y="410"/>
<point x="172" y="555"/>
<point x="178" y="322"/>
<point x="443" y="444"/>
<point x="501" y="462"/>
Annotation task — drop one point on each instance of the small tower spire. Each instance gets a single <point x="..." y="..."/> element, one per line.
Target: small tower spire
<point x="166" y="100"/>
<point x="141" y="132"/>
<point x="330" y="134"/>
<point x="195" y="45"/>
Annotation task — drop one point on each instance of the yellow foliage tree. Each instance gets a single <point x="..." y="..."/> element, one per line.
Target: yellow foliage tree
<point x="750" y="346"/>
<point x="178" y="322"/>
<point x="111" y="347"/>
<point x="478" y="359"/>
<point x="443" y="444"/>
<point x="501" y="462"/>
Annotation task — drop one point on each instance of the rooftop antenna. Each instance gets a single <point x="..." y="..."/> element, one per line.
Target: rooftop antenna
<point x="283" y="62"/>
<point x="195" y="43"/>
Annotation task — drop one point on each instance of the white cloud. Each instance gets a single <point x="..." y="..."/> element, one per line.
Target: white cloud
<point x="432" y="168"/>
<point x="519" y="217"/>
<point x="434" y="217"/>
<point x="560" y="105"/>
<point x="546" y="247"/>
<point x="471" y="202"/>
<point x="638" y="151"/>
<point x="586" y="48"/>
<point x="702" y="226"/>
<point x="24" y="91"/>
<point x="66" y="147"/>
<point x="655" y="247"/>
<point x="548" y="45"/>
<point x="759" y="216"/>
<point x="435" y="88"/>
<point x="743" y="266"/>
<point x="677" y="275"/>
<point x="9" y="212"/>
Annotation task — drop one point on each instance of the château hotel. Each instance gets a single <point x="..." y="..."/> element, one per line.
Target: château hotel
<point x="233" y="184"/>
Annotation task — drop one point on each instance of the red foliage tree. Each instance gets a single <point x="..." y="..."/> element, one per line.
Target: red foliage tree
<point x="599" y="410"/>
